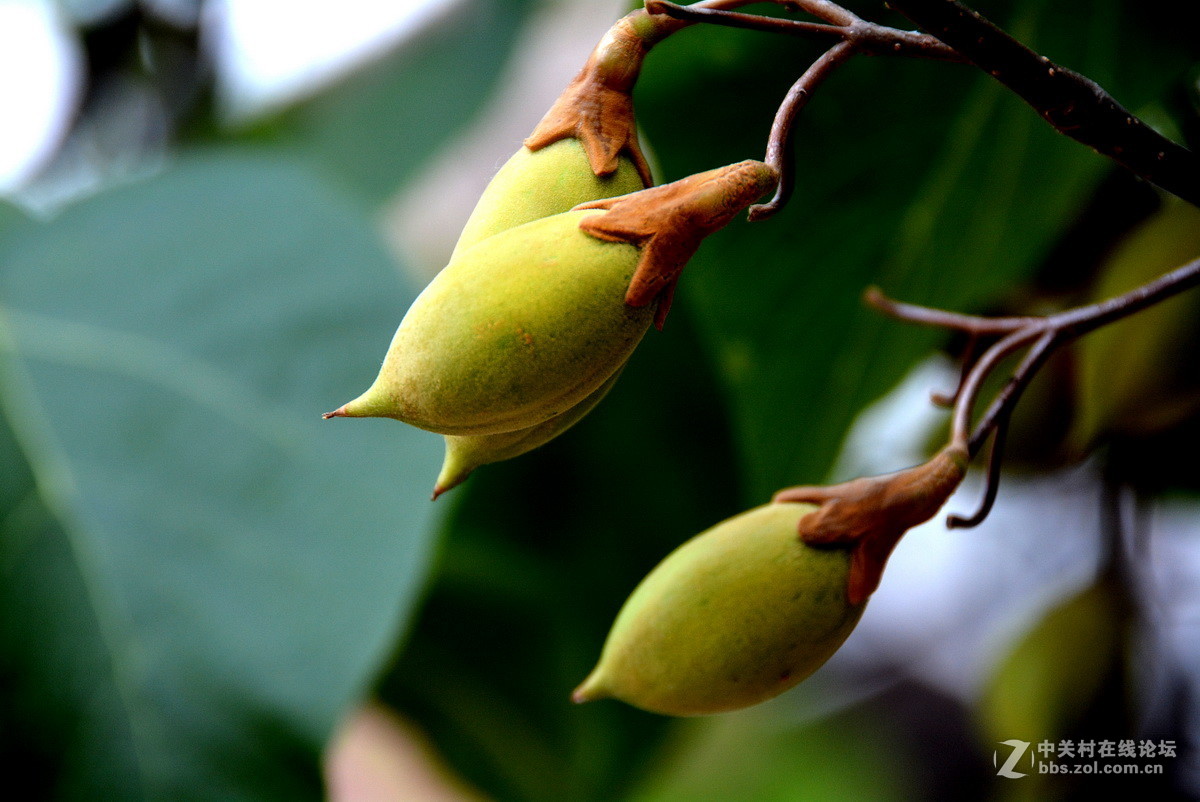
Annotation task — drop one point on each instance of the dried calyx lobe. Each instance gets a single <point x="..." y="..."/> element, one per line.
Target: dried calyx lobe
<point x="669" y="222"/>
<point x="597" y="106"/>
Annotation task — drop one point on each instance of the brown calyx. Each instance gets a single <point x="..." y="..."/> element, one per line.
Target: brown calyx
<point x="597" y="106"/>
<point x="871" y="514"/>
<point x="669" y="222"/>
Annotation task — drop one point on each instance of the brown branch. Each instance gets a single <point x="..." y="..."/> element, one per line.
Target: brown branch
<point x="1073" y="104"/>
<point x="939" y="318"/>
<point x="852" y="35"/>
<point x="991" y="485"/>
<point x="780" y="154"/>
<point x="1042" y="336"/>
<point x="869" y="38"/>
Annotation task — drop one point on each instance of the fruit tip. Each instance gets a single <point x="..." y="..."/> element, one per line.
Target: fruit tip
<point x="340" y="412"/>
<point x="589" y="690"/>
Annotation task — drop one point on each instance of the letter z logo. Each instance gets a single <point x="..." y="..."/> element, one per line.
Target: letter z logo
<point x="1018" y="749"/>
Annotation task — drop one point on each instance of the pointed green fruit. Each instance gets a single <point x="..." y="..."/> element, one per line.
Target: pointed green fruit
<point x="530" y="186"/>
<point x="530" y="321"/>
<point x="465" y="453"/>
<point x="514" y="331"/>
<point x="733" y="617"/>
<point x="533" y="185"/>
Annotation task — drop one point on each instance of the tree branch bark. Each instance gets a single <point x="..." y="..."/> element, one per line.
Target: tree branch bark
<point x="1074" y="104"/>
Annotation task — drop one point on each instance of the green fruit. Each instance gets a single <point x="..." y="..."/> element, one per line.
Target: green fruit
<point x="532" y="185"/>
<point x="465" y="453"/>
<point x="515" y="330"/>
<point x="733" y="617"/>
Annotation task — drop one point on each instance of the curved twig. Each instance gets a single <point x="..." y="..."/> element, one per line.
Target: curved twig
<point x="960" y="430"/>
<point x="853" y="35"/>
<point x="1002" y="405"/>
<point x="991" y="485"/>
<point x="779" y="150"/>
<point x="871" y="39"/>
<point x="939" y="318"/>
<point x="1042" y="336"/>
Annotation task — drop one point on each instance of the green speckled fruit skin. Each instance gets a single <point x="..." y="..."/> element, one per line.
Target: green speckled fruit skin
<point x="512" y="332"/>
<point x="532" y="185"/>
<point x="465" y="453"/>
<point x="733" y="617"/>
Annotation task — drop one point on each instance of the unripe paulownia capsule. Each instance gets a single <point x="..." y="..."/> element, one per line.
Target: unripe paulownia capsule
<point x="515" y="330"/>
<point x="745" y="610"/>
<point x="531" y="185"/>
<point x="536" y="184"/>
<point x="733" y="617"/>
<point x="530" y="321"/>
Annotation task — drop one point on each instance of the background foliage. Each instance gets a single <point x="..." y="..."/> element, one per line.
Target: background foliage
<point x="199" y="580"/>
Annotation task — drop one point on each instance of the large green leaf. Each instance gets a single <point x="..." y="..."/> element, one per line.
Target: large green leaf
<point x="925" y="178"/>
<point x="198" y="575"/>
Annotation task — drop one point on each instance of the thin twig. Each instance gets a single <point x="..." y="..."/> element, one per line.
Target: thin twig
<point x="1042" y="336"/>
<point x="853" y="35"/>
<point x="871" y="39"/>
<point x="969" y="392"/>
<point x="824" y="9"/>
<point x="991" y="486"/>
<point x="780" y="154"/>
<point x="1002" y="405"/>
<point x="940" y="318"/>
<point x="748" y="22"/>
<point x="1075" y="322"/>
<point x="1072" y="103"/>
<point x="969" y="356"/>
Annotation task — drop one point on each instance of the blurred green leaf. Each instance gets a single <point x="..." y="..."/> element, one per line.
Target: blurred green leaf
<point x="927" y="179"/>
<point x="374" y="131"/>
<point x="10" y="218"/>
<point x="199" y="576"/>
<point x="1060" y="679"/>
<point x="1048" y="682"/>
<point x="754" y="756"/>
<point x="1136" y="375"/>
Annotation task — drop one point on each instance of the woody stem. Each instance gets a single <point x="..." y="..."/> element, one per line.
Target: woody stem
<point x="780" y="154"/>
<point x="1042" y="336"/>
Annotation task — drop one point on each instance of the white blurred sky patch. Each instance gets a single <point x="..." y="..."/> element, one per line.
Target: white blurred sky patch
<point x="40" y="83"/>
<point x="268" y="53"/>
<point x="424" y="219"/>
